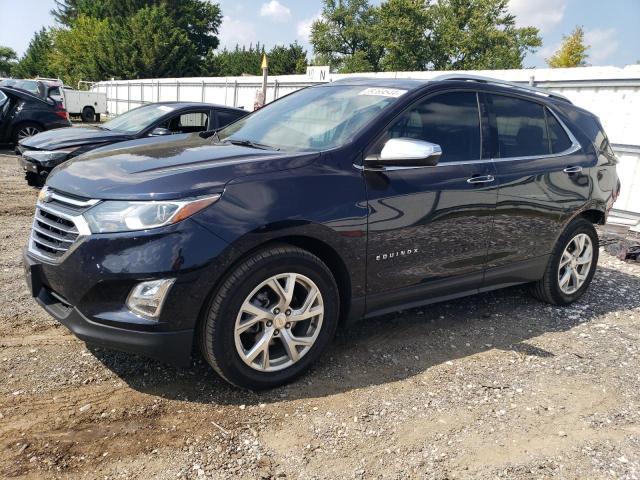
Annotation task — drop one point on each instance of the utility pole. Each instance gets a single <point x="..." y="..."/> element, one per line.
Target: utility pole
<point x="261" y="96"/>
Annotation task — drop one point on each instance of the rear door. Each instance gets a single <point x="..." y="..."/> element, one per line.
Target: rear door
<point x="539" y="166"/>
<point x="429" y="227"/>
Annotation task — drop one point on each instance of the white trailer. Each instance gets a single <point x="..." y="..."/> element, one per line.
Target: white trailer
<point x="89" y="105"/>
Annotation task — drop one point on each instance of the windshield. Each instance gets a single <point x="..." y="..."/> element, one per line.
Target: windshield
<point x="138" y="119"/>
<point x="312" y="119"/>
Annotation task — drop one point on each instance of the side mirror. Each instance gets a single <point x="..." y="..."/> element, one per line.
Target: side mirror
<point x="407" y="152"/>
<point x="159" y="132"/>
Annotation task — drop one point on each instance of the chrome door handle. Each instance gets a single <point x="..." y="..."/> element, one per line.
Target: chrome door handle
<point x="481" y="179"/>
<point x="577" y="169"/>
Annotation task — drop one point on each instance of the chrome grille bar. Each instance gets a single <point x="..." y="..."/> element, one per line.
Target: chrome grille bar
<point x="57" y="225"/>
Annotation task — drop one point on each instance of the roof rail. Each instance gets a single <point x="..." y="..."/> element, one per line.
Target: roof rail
<point x="504" y="83"/>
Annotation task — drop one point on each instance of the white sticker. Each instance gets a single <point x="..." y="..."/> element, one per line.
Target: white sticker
<point x="165" y="108"/>
<point x="383" y="92"/>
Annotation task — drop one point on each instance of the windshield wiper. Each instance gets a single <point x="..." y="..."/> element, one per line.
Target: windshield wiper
<point x="249" y="143"/>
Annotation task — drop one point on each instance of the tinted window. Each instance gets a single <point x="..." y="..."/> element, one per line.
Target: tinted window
<point x="225" y="117"/>
<point x="521" y="127"/>
<point x="451" y="120"/>
<point x="557" y="136"/>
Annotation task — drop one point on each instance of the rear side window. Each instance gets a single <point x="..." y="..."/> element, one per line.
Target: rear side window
<point x="521" y="128"/>
<point x="451" y="120"/>
<point x="557" y="136"/>
<point x="225" y="117"/>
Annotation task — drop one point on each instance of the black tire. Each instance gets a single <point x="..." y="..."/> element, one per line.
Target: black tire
<point x="216" y="333"/>
<point x="548" y="288"/>
<point x="24" y="130"/>
<point x="88" y="114"/>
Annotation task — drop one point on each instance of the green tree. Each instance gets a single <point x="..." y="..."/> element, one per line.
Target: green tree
<point x="79" y="52"/>
<point x="345" y="30"/>
<point x="287" y="60"/>
<point x="236" y="62"/>
<point x="478" y="35"/>
<point x="402" y="33"/>
<point x="572" y="52"/>
<point x="151" y="44"/>
<point x="7" y="60"/>
<point x="199" y="19"/>
<point x="37" y="59"/>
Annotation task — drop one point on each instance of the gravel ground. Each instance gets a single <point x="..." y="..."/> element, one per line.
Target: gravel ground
<point x="492" y="386"/>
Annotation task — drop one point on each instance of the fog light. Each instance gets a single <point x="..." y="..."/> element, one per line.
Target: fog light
<point x="146" y="298"/>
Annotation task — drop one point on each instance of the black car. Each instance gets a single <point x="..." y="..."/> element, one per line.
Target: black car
<point x="23" y="114"/>
<point x="337" y="202"/>
<point x="43" y="152"/>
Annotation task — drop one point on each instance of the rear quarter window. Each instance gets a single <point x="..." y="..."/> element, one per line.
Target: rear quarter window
<point x="558" y="138"/>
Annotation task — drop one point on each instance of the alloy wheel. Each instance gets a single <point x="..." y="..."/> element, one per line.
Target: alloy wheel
<point x="27" y="132"/>
<point x="279" y="322"/>
<point x="575" y="264"/>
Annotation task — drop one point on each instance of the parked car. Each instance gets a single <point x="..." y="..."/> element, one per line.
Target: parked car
<point x="341" y="201"/>
<point x="23" y="115"/>
<point x="43" y="152"/>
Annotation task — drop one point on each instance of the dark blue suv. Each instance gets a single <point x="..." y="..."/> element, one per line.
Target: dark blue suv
<point x="334" y="203"/>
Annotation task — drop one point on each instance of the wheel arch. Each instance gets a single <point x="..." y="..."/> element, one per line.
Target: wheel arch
<point x="595" y="216"/>
<point x="325" y="252"/>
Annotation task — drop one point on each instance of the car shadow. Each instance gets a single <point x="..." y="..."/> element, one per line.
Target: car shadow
<point x="396" y="346"/>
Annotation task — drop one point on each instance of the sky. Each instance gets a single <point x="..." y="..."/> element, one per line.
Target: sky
<point x="612" y="27"/>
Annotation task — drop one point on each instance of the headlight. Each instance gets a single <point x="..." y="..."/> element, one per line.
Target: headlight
<point x="46" y="156"/>
<point x="121" y="216"/>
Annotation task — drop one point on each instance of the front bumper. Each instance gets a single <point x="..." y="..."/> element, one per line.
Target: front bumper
<point x="87" y="290"/>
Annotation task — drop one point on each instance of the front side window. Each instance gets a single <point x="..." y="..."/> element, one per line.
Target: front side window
<point x="313" y="119"/>
<point x="450" y="120"/>
<point x="521" y="128"/>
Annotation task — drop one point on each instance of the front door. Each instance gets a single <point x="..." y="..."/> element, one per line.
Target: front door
<point x="428" y="227"/>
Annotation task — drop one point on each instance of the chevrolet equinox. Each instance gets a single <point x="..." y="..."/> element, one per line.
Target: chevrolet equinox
<point x="337" y="202"/>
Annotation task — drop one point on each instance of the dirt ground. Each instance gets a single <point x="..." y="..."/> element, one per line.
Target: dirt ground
<point x="492" y="386"/>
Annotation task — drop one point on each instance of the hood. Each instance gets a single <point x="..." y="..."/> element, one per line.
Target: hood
<point x="72" y="137"/>
<point x="166" y="168"/>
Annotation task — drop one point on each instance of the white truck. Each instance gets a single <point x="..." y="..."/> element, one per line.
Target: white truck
<point x="87" y="104"/>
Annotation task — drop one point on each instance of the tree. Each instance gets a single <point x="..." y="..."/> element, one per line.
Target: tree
<point x="478" y="35"/>
<point x="402" y="33"/>
<point x="572" y="52"/>
<point x="236" y="62"/>
<point x="345" y="30"/>
<point x="7" y="60"/>
<point x="199" y="19"/>
<point x="80" y="52"/>
<point x="287" y="60"/>
<point x="247" y="61"/>
<point x="37" y="59"/>
<point x="421" y="35"/>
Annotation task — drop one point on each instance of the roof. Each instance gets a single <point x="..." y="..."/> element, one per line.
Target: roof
<point x="411" y="84"/>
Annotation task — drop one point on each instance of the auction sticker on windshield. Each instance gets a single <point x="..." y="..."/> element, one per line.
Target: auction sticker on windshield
<point x="383" y="92"/>
<point x="165" y="108"/>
